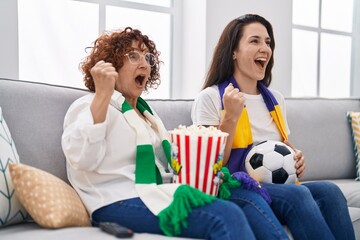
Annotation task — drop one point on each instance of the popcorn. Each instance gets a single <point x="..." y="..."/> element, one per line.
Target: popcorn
<point x="197" y="155"/>
<point x="198" y="130"/>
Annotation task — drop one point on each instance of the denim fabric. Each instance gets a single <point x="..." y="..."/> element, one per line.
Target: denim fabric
<point x="220" y="220"/>
<point x="333" y="206"/>
<point x="260" y="216"/>
<point x="315" y="210"/>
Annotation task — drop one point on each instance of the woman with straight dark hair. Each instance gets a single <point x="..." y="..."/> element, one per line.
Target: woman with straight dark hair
<point x="236" y="99"/>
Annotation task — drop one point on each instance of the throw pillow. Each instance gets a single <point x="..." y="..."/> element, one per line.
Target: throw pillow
<point x="50" y="201"/>
<point x="11" y="211"/>
<point x="354" y="119"/>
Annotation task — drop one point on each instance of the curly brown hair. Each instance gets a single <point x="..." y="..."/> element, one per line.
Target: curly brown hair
<point x="111" y="46"/>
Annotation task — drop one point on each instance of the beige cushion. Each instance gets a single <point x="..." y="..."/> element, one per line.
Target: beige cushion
<point x="354" y="119"/>
<point x="51" y="202"/>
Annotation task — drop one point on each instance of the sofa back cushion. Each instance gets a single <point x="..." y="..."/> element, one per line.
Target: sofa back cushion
<point x="173" y="112"/>
<point x="319" y="127"/>
<point x="35" y="114"/>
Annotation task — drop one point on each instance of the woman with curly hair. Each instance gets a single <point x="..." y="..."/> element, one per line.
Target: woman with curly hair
<point x="118" y="152"/>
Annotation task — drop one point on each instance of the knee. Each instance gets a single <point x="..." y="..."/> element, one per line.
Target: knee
<point x="231" y="222"/>
<point x="332" y="192"/>
<point x="300" y="195"/>
<point x="232" y="212"/>
<point x="332" y="189"/>
<point x="302" y="190"/>
<point x="325" y="190"/>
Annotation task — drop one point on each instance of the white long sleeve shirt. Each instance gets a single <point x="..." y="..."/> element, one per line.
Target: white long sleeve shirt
<point x="101" y="157"/>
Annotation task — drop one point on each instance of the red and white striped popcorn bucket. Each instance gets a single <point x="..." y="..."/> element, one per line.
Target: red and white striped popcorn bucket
<point x="200" y="155"/>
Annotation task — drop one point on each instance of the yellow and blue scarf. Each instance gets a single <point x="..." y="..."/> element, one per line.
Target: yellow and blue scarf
<point x="243" y="140"/>
<point x="243" y="137"/>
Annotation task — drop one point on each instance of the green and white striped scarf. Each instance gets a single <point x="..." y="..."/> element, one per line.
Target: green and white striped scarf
<point x="172" y="203"/>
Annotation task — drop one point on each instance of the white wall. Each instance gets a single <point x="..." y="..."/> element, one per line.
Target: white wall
<point x="203" y="23"/>
<point x="278" y="12"/>
<point x="9" y="60"/>
<point x="194" y="48"/>
<point x="204" y="20"/>
<point x="355" y="87"/>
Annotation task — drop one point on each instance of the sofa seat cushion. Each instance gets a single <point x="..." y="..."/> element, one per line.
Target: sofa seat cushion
<point x="351" y="190"/>
<point x="355" y="218"/>
<point x="34" y="231"/>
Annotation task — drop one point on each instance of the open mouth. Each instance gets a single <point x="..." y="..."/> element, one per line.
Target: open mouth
<point x="140" y="79"/>
<point x="260" y="62"/>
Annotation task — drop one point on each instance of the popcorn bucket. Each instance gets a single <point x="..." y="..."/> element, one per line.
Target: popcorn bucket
<point x="199" y="151"/>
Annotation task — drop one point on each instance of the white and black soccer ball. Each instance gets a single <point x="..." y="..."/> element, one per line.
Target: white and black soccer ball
<point x="271" y="162"/>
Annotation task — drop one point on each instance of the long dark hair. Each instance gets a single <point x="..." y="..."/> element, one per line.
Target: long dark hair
<point x="222" y="65"/>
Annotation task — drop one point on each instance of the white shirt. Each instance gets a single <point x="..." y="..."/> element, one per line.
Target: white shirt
<point x="101" y="157"/>
<point x="206" y="110"/>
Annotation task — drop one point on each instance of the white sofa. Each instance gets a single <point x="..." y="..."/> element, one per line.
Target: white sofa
<point x="35" y="112"/>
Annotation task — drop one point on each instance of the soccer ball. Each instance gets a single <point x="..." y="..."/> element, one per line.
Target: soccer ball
<point x="271" y="162"/>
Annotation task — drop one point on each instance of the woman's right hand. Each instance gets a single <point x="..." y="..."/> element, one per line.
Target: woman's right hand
<point x="234" y="102"/>
<point x="104" y="75"/>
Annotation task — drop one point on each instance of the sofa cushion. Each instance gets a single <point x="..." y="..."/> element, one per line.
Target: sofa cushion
<point x="323" y="134"/>
<point x="51" y="202"/>
<point x="33" y="231"/>
<point x="11" y="211"/>
<point x="354" y="120"/>
<point x="355" y="218"/>
<point x="351" y="191"/>
<point x="35" y="114"/>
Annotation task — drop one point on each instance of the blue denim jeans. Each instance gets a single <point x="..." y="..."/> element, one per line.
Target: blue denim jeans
<point x="315" y="210"/>
<point x="220" y="220"/>
<point x="260" y="216"/>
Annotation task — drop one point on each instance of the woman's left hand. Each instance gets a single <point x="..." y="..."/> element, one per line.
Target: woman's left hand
<point x="299" y="159"/>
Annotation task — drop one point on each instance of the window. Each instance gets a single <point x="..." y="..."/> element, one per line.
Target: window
<point x="322" y="48"/>
<point x="53" y="35"/>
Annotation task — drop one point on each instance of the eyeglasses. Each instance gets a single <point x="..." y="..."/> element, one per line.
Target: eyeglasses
<point x="135" y="57"/>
